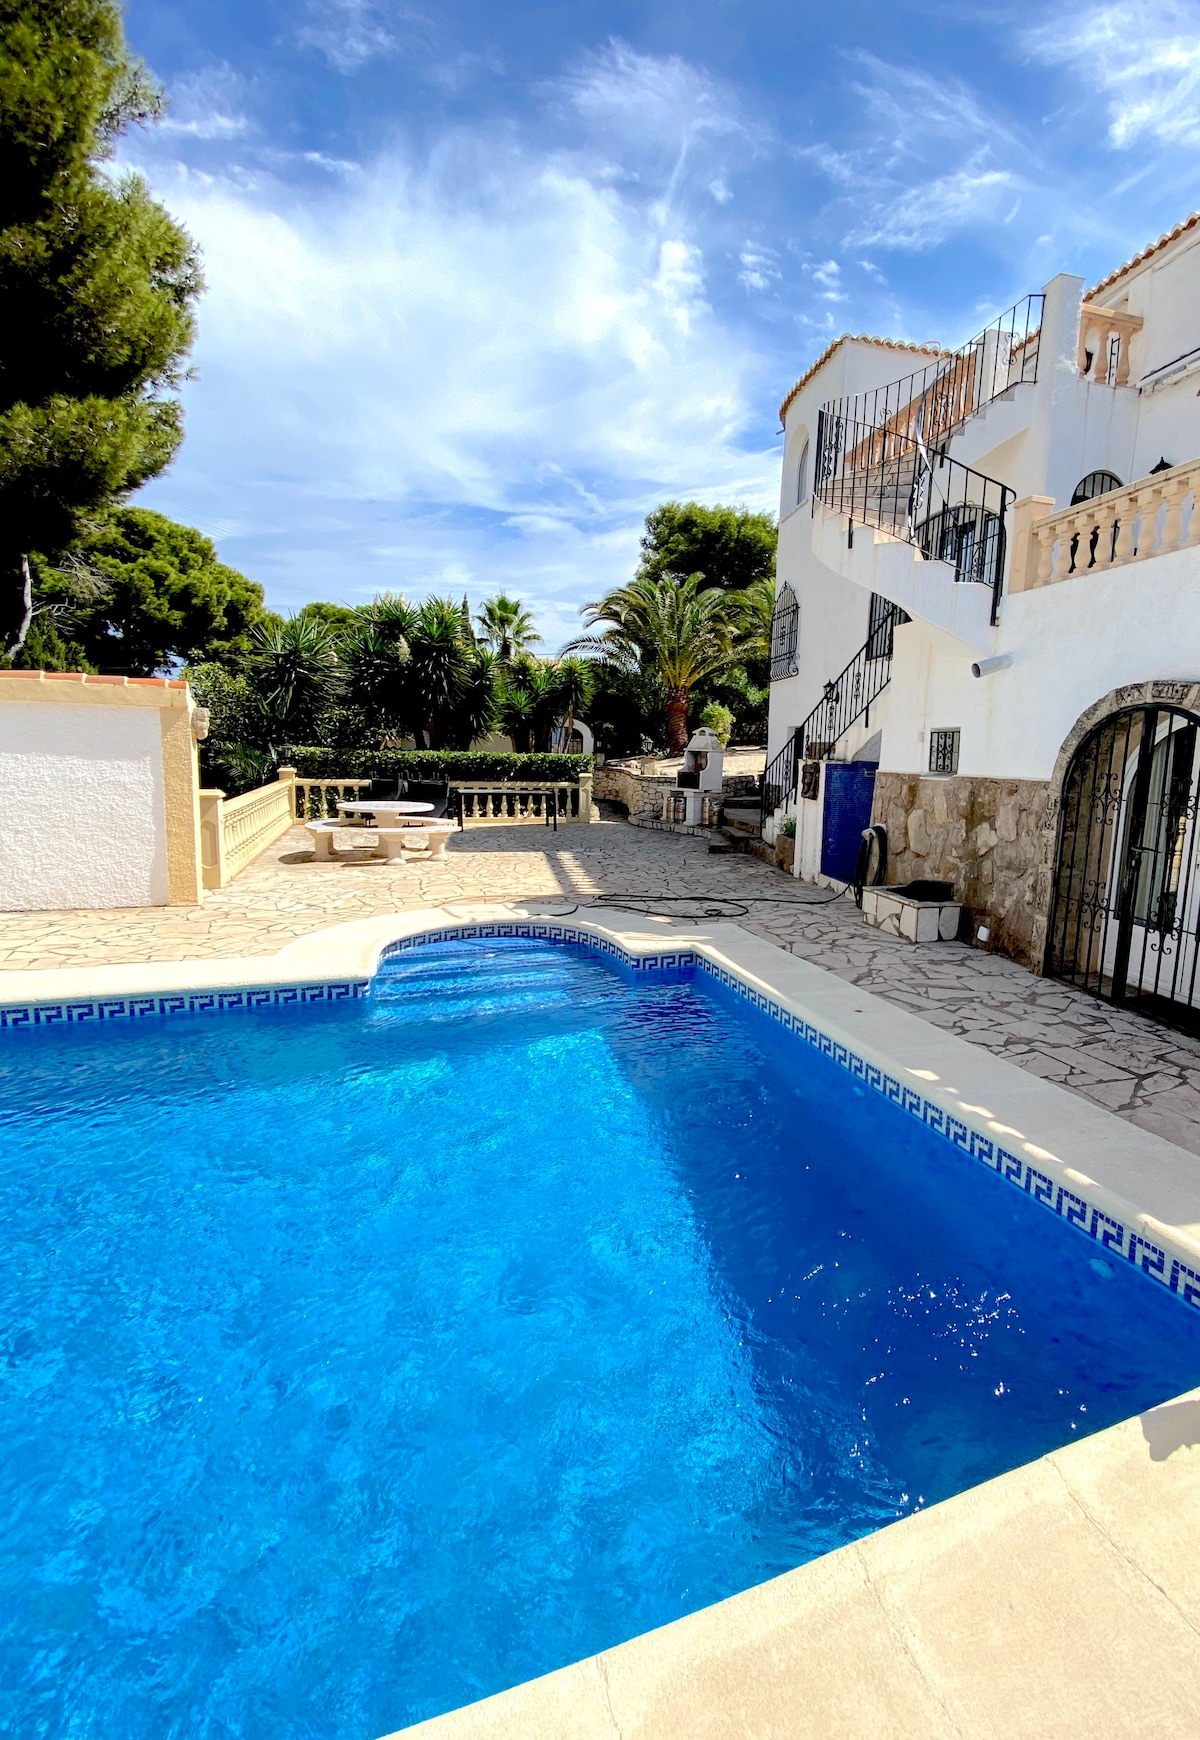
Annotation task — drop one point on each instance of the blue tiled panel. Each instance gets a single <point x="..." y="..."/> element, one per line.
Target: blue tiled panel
<point x="1086" y="1217"/>
<point x="216" y="1002"/>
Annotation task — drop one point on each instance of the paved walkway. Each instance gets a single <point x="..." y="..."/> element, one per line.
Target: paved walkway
<point x="1146" y="1073"/>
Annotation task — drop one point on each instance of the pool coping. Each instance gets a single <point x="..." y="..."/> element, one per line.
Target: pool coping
<point x="833" y="1648"/>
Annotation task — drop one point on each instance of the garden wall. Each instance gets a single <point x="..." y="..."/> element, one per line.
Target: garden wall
<point x="98" y="792"/>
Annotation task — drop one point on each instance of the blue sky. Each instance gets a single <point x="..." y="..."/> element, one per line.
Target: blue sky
<point x="486" y="282"/>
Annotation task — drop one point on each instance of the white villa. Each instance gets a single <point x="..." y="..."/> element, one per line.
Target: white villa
<point x="987" y="629"/>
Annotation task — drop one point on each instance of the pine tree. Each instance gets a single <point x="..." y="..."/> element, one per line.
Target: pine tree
<point x="97" y="284"/>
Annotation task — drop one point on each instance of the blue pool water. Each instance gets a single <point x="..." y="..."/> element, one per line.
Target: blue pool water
<point x="361" y="1361"/>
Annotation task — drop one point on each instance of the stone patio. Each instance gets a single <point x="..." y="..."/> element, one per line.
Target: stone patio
<point x="1145" y="1073"/>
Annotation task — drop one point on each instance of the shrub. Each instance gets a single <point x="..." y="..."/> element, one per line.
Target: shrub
<point x="718" y="719"/>
<point x="788" y="828"/>
<point x="313" y="763"/>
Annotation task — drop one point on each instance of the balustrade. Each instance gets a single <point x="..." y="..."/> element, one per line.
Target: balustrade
<point x="1150" y="518"/>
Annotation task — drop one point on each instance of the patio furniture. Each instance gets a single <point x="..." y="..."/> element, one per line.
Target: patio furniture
<point x="435" y="792"/>
<point x="402" y="842"/>
<point x="322" y="837"/>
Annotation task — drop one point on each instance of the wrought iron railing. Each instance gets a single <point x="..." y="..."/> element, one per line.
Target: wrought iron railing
<point x="847" y="698"/>
<point x="901" y="486"/>
<point x="930" y="404"/>
<point x="785" y="635"/>
<point x="850" y="694"/>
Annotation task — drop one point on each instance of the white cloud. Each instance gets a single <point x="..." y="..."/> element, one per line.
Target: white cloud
<point x="926" y="214"/>
<point x="208" y="104"/>
<point x="933" y="160"/>
<point x="1144" y="67"/>
<point x="760" y="267"/>
<point x="489" y="361"/>
<point x="349" y="33"/>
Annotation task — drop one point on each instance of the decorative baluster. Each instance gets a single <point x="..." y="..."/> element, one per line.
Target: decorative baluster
<point x="1150" y="500"/>
<point x="1173" y="494"/>
<point x="1126" y="520"/>
<point x="1192" y="535"/>
<point x="1047" y="538"/>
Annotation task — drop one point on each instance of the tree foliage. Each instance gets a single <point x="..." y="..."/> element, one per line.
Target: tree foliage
<point x="729" y="547"/>
<point x="673" y="627"/>
<point x="145" y="592"/>
<point x="97" y="284"/>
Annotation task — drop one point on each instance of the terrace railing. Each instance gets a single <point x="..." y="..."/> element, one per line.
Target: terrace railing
<point x="1150" y="518"/>
<point x="847" y="699"/>
<point x="898" y="485"/>
<point x="930" y="404"/>
<point x="545" y="801"/>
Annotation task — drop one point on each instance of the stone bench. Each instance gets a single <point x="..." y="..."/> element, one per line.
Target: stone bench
<point x="322" y="837"/>
<point x="431" y="836"/>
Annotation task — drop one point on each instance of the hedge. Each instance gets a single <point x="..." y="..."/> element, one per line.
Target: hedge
<point x="433" y="764"/>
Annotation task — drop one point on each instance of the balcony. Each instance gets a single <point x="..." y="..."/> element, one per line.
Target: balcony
<point x="1155" y="517"/>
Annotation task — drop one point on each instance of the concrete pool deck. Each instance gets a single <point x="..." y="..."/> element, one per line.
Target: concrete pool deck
<point x="1062" y="1598"/>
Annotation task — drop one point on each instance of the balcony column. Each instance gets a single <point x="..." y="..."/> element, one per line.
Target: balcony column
<point x="1028" y="555"/>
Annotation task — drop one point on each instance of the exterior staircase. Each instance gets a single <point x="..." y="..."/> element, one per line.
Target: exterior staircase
<point x="882" y="466"/>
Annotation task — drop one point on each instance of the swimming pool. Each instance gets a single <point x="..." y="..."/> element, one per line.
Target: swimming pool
<point x="362" y="1360"/>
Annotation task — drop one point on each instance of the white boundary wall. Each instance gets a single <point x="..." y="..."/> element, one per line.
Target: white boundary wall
<point x="97" y="793"/>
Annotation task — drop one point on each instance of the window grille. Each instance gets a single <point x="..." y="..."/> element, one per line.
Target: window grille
<point x="785" y="635"/>
<point x="1095" y="483"/>
<point x="881" y="626"/>
<point x="943" y="750"/>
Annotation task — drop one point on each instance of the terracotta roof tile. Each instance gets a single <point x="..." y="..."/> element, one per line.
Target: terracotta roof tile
<point x="854" y="338"/>
<point x="93" y="677"/>
<point x="1165" y="241"/>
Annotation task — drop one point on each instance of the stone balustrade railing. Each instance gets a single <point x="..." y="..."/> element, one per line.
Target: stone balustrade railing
<point x="314" y="800"/>
<point x="1150" y="518"/>
<point x="527" y="800"/>
<point x="235" y="830"/>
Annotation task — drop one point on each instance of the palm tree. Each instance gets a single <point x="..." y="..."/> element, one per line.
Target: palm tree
<point x="295" y="671"/>
<point x="672" y="628"/>
<point x="473" y="714"/>
<point x="439" y="668"/>
<point x="575" y="689"/>
<point x="375" y="665"/>
<point x="516" y="710"/>
<point x="507" y="626"/>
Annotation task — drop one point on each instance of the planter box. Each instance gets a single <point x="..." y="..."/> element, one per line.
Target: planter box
<point x="785" y="851"/>
<point x="915" y="920"/>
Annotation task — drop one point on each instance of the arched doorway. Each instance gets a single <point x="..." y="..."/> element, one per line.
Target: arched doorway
<point x="1125" y="902"/>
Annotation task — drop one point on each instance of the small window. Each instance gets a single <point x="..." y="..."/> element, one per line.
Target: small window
<point x="785" y="636"/>
<point x="881" y="626"/>
<point x="943" y="750"/>
<point x="1095" y="483"/>
<point x="802" y="476"/>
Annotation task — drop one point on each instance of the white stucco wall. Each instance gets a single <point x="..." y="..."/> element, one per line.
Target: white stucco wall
<point x="81" y="794"/>
<point x="1070" y="644"/>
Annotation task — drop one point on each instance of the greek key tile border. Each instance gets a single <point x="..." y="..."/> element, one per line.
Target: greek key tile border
<point x="1156" y="1261"/>
<point x="75" y="1012"/>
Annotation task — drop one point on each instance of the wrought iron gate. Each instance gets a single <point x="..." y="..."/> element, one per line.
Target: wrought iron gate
<point x="1125" y="914"/>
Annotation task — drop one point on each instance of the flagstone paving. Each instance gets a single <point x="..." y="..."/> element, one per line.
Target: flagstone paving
<point x="1145" y="1073"/>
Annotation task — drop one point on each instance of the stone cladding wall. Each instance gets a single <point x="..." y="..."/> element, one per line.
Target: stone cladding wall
<point x="986" y="836"/>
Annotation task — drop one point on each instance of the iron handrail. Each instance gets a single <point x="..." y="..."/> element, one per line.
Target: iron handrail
<point x="920" y="495"/>
<point x="930" y="403"/>
<point x="846" y="698"/>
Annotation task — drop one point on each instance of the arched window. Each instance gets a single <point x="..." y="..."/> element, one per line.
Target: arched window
<point x="1095" y="483"/>
<point x="785" y="635"/>
<point x="802" y="476"/>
